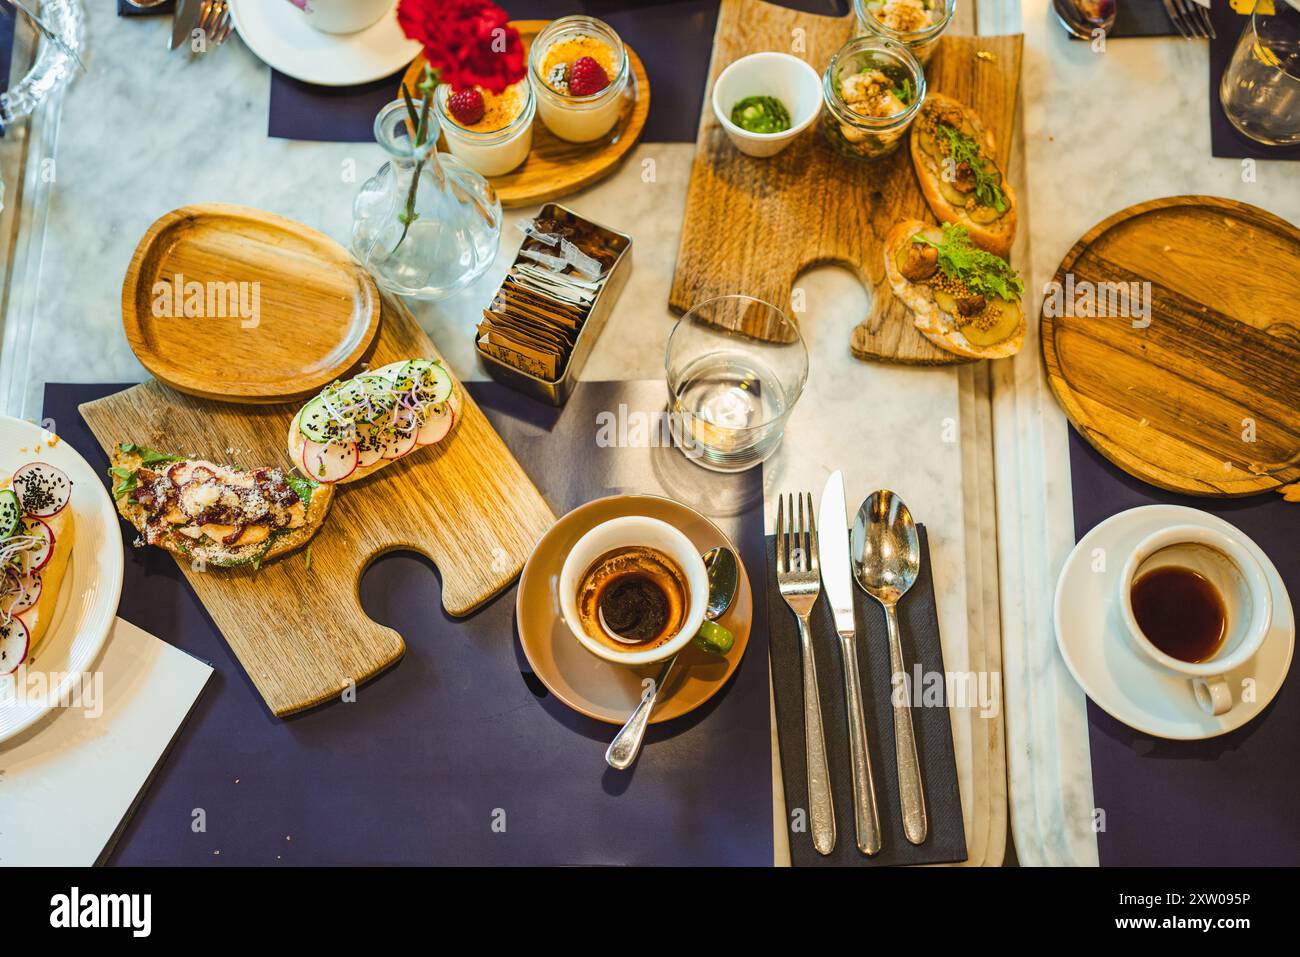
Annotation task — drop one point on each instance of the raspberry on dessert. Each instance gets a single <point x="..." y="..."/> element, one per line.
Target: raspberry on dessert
<point x="466" y="106"/>
<point x="586" y="77"/>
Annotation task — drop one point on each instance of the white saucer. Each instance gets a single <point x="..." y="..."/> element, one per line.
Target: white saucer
<point x="1104" y="660"/>
<point x="279" y="34"/>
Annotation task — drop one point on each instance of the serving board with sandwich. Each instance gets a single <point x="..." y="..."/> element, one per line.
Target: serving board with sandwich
<point x="274" y="511"/>
<point x="928" y="228"/>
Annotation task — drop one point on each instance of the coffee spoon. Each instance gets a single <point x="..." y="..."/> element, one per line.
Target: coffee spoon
<point x="724" y="580"/>
<point x="886" y="554"/>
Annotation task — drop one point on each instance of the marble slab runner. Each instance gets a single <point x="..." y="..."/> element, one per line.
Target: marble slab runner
<point x="459" y="734"/>
<point x="1155" y="792"/>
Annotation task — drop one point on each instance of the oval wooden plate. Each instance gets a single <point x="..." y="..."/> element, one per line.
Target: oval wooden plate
<point x="555" y="167"/>
<point x="601" y="689"/>
<point x="238" y="304"/>
<point x="1205" y="400"/>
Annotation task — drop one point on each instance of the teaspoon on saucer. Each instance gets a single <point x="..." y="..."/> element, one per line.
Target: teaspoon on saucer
<point x="724" y="580"/>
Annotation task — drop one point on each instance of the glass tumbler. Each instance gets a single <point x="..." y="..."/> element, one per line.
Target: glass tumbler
<point x="1260" y="88"/>
<point x="736" y="367"/>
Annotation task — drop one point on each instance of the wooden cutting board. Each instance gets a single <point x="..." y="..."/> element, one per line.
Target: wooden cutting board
<point x="299" y="630"/>
<point x="1204" y="400"/>
<point x="753" y="225"/>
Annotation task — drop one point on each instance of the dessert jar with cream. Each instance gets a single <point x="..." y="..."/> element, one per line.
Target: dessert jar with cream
<point x="491" y="133"/>
<point x="579" y="72"/>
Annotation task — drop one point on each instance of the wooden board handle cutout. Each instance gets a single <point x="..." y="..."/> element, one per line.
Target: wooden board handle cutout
<point x="299" y="631"/>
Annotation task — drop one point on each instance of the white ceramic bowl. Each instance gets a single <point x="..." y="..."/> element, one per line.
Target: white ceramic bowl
<point x="786" y="77"/>
<point x="618" y="533"/>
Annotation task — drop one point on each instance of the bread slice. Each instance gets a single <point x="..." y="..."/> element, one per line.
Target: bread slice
<point x="38" y="618"/>
<point x="127" y="459"/>
<point x="996" y="236"/>
<point x="930" y="319"/>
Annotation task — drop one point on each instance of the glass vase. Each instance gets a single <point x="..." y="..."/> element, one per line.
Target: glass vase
<point x="425" y="225"/>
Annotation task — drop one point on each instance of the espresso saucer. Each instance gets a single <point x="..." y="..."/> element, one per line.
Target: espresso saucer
<point x="601" y="689"/>
<point x="1115" y="674"/>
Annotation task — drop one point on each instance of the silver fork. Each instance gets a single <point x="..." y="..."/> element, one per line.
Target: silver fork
<point x="1190" y="18"/>
<point x="799" y="579"/>
<point x="214" y="21"/>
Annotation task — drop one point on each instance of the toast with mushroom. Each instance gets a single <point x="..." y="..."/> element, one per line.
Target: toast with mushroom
<point x="217" y="514"/>
<point x="953" y="157"/>
<point x="963" y="299"/>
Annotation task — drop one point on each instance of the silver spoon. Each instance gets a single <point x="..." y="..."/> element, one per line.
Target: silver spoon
<point x="886" y="553"/>
<point x="724" y="581"/>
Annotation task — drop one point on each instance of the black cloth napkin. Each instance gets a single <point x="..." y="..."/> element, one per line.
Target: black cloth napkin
<point x="1142" y="18"/>
<point x="125" y="9"/>
<point x="1225" y="139"/>
<point x="919" y="624"/>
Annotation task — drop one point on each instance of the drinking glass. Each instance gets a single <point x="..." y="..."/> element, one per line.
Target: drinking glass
<point x="736" y="366"/>
<point x="1260" y="89"/>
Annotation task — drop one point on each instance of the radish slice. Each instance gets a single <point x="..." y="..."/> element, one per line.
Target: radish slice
<point x="401" y="439"/>
<point x="437" y="425"/>
<point x="42" y="489"/>
<point x="39" y="557"/>
<point x="329" y="461"/>
<point x="369" y="447"/>
<point x="29" y="593"/>
<point x="14" y="642"/>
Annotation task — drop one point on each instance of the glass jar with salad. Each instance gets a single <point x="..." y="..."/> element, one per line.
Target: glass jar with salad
<point x="917" y="24"/>
<point x="873" y="89"/>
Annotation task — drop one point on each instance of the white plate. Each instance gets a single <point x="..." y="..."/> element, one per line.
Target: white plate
<point x="1121" y="680"/>
<point x="279" y="34"/>
<point x="93" y="583"/>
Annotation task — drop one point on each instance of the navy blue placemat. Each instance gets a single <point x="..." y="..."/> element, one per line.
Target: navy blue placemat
<point x="919" y="624"/>
<point x="457" y="755"/>
<point x="1225" y="139"/>
<point x="673" y="38"/>
<point x="7" y="22"/>
<point x="1230" y="800"/>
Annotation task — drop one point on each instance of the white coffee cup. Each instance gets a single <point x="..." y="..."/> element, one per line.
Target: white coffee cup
<point x="626" y="532"/>
<point x="1240" y="582"/>
<point x="342" y="16"/>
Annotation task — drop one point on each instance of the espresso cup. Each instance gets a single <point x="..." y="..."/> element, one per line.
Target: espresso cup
<point x="342" y="16"/>
<point x="631" y="532"/>
<point x="1247" y="604"/>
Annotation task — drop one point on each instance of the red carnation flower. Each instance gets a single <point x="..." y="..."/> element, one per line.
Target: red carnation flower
<point x="467" y="42"/>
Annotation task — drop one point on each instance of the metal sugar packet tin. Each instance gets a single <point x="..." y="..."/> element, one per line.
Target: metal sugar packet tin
<point x="601" y="295"/>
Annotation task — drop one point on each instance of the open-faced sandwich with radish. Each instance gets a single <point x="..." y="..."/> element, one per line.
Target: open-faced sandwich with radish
<point x="357" y="427"/>
<point x="218" y="514"/>
<point x="36" y="530"/>
<point x="963" y="298"/>
<point x="953" y="156"/>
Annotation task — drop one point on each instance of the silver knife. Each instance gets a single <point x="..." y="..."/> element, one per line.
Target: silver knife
<point x="184" y="19"/>
<point x="833" y="554"/>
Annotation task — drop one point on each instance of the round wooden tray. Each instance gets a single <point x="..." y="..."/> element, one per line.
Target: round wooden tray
<point x="556" y="167"/>
<point x="1205" y="400"/>
<point x="230" y="303"/>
